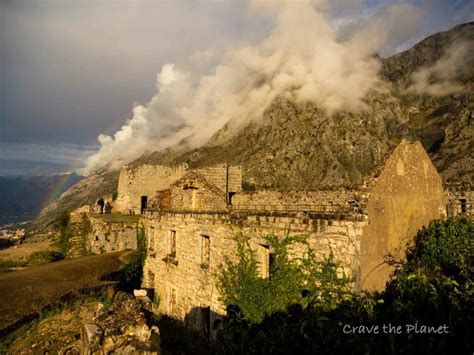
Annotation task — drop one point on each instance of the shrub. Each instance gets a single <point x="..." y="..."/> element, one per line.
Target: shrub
<point x="131" y="272"/>
<point x="62" y="223"/>
<point x="44" y="257"/>
<point x="301" y="281"/>
<point x="433" y="288"/>
<point x="248" y="186"/>
<point x="9" y="265"/>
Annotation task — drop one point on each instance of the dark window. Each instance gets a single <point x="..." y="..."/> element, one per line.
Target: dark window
<point x="463" y="205"/>
<point x="271" y="263"/>
<point x="143" y="205"/>
<point x="229" y="198"/>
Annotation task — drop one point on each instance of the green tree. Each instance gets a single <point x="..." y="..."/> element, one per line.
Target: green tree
<point x="432" y="288"/>
<point x="298" y="280"/>
<point x="131" y="272"/>
<point x="62" y="224"/>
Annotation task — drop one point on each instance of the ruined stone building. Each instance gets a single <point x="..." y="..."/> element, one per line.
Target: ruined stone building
<point x="156" y="186"/>
<point x="192" y="216"/>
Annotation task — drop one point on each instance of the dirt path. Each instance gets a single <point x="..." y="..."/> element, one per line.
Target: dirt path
<point x="27" y="291"/>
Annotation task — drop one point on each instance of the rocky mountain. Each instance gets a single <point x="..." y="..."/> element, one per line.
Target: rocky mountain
<point x="84" y="192"/>
<point x="298" y="146"/>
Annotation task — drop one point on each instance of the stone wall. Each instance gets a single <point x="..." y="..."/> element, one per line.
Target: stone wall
<point x="148" y="180"/>
<point x="201" y="198"/>
<point x="226" y="178"/>
<point x="460" y="201"/>
<point x="278" y="200"/>
<point x="145" y="180"/>
<point x="407" y="195"/>
<point x="107" y="237"/>
<point x="183" y="273"/>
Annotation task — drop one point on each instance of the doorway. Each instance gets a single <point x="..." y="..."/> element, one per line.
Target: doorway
<point x="143" y="205"/>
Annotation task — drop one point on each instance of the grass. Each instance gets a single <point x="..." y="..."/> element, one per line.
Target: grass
<point x="45" y="314"/>
<point x="45" y="257"/>
<point x="117" y="218"/>
<point x="8" y="265"/>
<point x="10" y="338"/>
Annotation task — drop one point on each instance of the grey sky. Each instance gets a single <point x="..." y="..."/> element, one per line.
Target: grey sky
<point x="71" y="70"/>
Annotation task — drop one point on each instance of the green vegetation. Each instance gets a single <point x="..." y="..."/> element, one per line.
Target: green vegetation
<point x="62" y="223"/>
<point x="9" y="265"/>
<point x="433" y="288"/>
<point x="118" y="218"/>
<point x="68" y="229"/>
<point x="114" y="196"/>
<point x="45" y="257"/>
<point x="10" y="338"/>
<point x="47" y="313"/>
<point x="131" y="272"/>
<point x="248" y="186"/>
<point x="301" y="281"/>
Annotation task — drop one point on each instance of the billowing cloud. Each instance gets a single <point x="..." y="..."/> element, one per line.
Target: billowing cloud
<point x="446" y="76"/>
<point x="302" y="59"/>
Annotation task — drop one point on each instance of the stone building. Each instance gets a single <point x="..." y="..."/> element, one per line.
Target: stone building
<point x="407" y="195"/>
<point x="151" y="185"/>
<point x="461" y="200"/>
<point x="194" y="220"/>
<point x="192" y="217"/>
<point x="106" y="236"/>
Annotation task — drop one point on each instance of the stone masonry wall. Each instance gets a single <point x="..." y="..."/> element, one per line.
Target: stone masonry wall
<point x="218" y="175"/>
<point x="235" y="178"/>
<point x="196" y="199"/>
<point x="460" y="201"/>
<point x="145" y="180"/>
<point x="184" y="281"/>
<point x="408" y="194"/>
<point x="277" y="200"/>
<point x="107" y="237"/>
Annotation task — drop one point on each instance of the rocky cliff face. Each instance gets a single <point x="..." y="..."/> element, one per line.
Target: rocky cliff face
<point x="298" y="146"/>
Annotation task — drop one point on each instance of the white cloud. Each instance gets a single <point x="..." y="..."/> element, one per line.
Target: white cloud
<point x="302" y="58"/>
<point x="446" y="75"/>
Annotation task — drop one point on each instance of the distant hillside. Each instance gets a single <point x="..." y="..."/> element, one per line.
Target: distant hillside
<point x="298" y="146"/>
<point x="22" y="198"/>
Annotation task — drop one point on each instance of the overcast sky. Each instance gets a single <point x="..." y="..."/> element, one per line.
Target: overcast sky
<point x="71" y="70"/>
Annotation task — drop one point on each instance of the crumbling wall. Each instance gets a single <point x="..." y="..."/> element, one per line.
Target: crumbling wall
<point x="145" y="180"/>
<point x="226" y="178"/>
<point x="148" y="180"/>
<point x="194" y="192"/>
<point x="278" y="200"/>
<point x="407" y="195"/>
<point x="185" y="282"/>
<point x="107" y="237"/>
<point x="201" y="198"/>
<point x="460" y="200"/>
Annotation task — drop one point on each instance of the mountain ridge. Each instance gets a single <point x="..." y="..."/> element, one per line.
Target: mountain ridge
<point x="296" y="146"/>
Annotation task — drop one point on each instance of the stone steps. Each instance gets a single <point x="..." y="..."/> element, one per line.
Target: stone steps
<point x="76" y="244"/>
